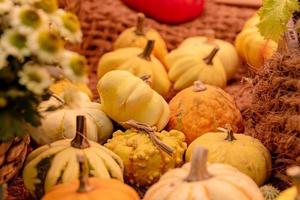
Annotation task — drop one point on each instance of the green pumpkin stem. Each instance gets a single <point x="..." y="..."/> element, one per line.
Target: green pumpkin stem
<point x="208" y="59"/>
<point x="83" y="175"/>
<point x="140" y="24"/>
<point x="198" y="170"/>
<point x="294" y="173"/>
<point x="146" y="54"/>
<point x="80" y="141"/>
<point x="151" y="131"/>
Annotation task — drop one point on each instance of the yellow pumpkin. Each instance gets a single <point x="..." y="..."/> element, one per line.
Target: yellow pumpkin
<point x="59" y="114"/>
<point x="126" y="97"/>
<point x="187" y="69"/>
<point x="138" y="37"/>
<point x="198" y="181"/>
<point x="63" y="85"/>
<point x="144" y="152"/>
<point x="252" y="22"/>
<point x="227" y="53"/>
<point x="292" y="193"/>
<point x="56" y="163"/>
<point x="91" y="188"/>
<point x="140" y="63"/>
<point x="243" y="152"/>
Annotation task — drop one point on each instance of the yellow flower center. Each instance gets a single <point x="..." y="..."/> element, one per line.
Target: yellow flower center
<point x="34" y="77"/>
<point x="30" y="18"/>
<point x="50" y="42"/>
<point x="71" y="22"/>
<point x="78" y="66"/>
<point x="49" y="6"/>
<point x="17" y="40"/>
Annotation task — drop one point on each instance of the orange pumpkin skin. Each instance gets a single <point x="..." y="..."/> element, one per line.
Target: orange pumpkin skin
<point x="196" y="113"/>
<point x="104" y="189"/>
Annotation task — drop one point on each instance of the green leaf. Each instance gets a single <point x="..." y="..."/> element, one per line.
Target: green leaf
<point x="274" y="15"/>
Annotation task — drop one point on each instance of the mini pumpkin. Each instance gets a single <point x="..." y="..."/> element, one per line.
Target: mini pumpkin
<point x="126" y="97"/>
<point x="59" y="118"/>
<point x="203" y="108"/>
<point x="227" y="53"/>
<point x="243" y="152"/>
<point x="138" y="37"/>
<point x="292" y="193"/>
<point x="140" y="63"/>
<point x="198" y="181"/>
<point x="189" y="68"/>
<point x="56" y="163"/>
<point x="91" y="188"/>
<point x="147" y="154"/>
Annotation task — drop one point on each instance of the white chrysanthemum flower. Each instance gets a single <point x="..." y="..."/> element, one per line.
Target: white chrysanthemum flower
<point x="3" y="59"/>
<point x="27" y="19"/>
<point x="74" y="66"/>
<point x="15" y="44"/>
<point x="68" y="25"/>
<point x="47" y="45"/>
<point x="5" y="6"/>
<point x="35" y="78"/>
<point x="48" y="6"/>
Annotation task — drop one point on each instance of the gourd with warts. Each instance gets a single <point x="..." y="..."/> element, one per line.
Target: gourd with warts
<point x="59" y="117"/>
<point x="138" y="37"/>
<point x="292" y="193"/>
<point x="146" y="153"/>
<point x="198" y="180"/>
<point x="186" y="68"/>
<point x="126" y="97"/>
<point x="56" y="163"/>
<point x="203" y="108"/>
<point x="140" y="63"/>
<point x="243" y="152"/>
<point x="91" y="188"/>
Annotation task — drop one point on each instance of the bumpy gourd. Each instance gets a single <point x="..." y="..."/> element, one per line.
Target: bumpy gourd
<point x="56" y="163"/>
<point x="59" y="118"/>
<point x="144" y="159"/>
<point x="140" y="63"/>
<point x="243" y="152"/>
<point x="227" y="53"/>
<point x="269" y="192"/>
<point x="185" y="68"/>
<point x="198" y="181"/>
<point x="125" y="97"/>
<point x="91" y="188"/>
<point x="292" y="193"/>
<point x="203" y="108"/>
<point x="138" y="37"/>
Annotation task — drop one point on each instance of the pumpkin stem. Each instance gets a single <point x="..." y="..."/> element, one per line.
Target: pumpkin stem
<point x="147" y="79"/>
<point x="151" y="131"/>
<point x="199" y="86"/>
<point x="146" y="54"/>
<point x="228" y="129"/>
<point x="198" y="170"/>
<point x="294" y="172"/>
<point x="140" y="24"/>
<point x="208" y="59"/>
<point x="210" y="36"/>
<point x="83" y="175"/>
<point x="80" y="141"/>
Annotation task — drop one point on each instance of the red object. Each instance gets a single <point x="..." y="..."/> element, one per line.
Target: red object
<point x="168" y="11"/>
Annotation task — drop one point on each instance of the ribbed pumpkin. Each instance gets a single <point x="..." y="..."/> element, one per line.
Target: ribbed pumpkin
<point x="140" y="63"/>
<point x="292" y="193"/>
<point x="56" y="163"/>
<point x="126" y="97"/>
<point x="198" y="181"/>
<point x="252" y="47"/>
<point x="147" y="154"/>
<point x="59" y="118"/>
<point x="188" y="68"/>
<point x="203" y="108"/>
<point x="138" y="37"/>
<point x="91" y="188"/>
<point x="243" y="152"/>
<point x="227" y="53"/>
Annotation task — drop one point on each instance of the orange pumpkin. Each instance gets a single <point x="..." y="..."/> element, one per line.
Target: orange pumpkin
<point x="203" y="108"/>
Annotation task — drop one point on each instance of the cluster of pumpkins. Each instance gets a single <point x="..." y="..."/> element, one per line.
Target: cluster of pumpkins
<point x="134" y="135"/>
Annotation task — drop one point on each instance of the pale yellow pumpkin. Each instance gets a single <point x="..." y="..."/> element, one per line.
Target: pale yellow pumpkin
<point x="140" y="63"/>
<point x="138" y="37"/>
<point x="243" y="152"/>
<point x="126" y="97"/>
<point x="198" y="181"/>
<point x="252" y="22"/>
<point x="185" y="68"/>
<point x="292" y="193"/>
